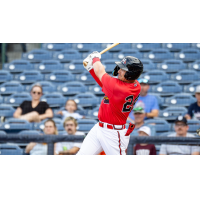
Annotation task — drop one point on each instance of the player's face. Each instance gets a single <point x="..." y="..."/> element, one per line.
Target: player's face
<point x="121" y="74"/>
<point x="49" y="128"/>
<point x="181" y="129"/>
<point x="70" y="106"/>
<point x="36" y="93"/>
<point x="70" y="127"/>
<point x="142" y="133"/>
<point x="197" y="95"/>
<point x="144" y="89"/>
<point x="139" y="117"/>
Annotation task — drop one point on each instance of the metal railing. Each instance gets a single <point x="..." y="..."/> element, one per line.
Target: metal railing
<point x="51" y="139"/>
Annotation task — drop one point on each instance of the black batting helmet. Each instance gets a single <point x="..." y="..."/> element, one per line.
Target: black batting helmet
<point x="133" y="67"/>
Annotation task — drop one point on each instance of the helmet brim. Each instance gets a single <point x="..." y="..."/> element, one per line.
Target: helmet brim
<point x="120" y="65"/>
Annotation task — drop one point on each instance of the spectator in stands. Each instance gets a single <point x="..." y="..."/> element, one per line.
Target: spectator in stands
<point x="144" y="149"/>
<point x="69" y="148"/>
<point x="139" y="115"/>
<point x="181" y="128"/>
<point x="70" y="108"/>
<point x="194" y="108"/>
<point x="41" y="148"/>
<point x="150" y="102"/>
<point x="35" y="110"/>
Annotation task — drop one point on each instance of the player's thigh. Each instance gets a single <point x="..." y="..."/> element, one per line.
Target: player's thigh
<point x="91" y="144"/>
<point x="114" y="142"/>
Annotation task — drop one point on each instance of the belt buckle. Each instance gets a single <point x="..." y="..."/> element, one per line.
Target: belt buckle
<point x="118" y="128"/>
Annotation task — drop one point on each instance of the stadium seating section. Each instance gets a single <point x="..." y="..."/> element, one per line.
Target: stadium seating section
<point x="173" y="70"/>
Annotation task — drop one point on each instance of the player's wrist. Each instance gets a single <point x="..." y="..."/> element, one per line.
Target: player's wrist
<point x="95" y="60"/>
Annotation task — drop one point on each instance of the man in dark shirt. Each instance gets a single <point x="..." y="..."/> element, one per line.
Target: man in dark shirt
<point x="194" y="108"/>
<point x="144" y="149"/>
<point x="35" y="110"/>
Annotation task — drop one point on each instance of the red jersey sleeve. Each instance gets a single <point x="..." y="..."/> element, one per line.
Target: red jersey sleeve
<point x="108" y="85"/>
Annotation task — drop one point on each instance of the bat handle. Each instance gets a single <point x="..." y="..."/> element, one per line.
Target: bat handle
<point x="85" y="64"/>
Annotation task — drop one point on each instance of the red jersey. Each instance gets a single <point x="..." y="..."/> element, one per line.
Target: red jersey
<point x="119" y="101"/>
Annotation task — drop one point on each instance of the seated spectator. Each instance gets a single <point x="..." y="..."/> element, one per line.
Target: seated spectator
<point x="144" y="149"/>
<point x="70" y="108"/>
<point x="41" y="148"/>
<point x="35" y="110"/>
<point x="150" y="102"/>
<point x="181" y="128"/>
<point x="194" y="108"/>
<point x="139" y="115"/>
<point x="69" y="148"/>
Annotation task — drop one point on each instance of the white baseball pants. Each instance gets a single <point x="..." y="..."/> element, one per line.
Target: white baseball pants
<point x="112" y="142"/>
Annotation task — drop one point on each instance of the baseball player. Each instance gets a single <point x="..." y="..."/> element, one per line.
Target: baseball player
<point x="109" y="134"/>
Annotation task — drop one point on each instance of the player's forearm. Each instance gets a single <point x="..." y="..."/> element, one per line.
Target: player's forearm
<point x="99" y="69"/>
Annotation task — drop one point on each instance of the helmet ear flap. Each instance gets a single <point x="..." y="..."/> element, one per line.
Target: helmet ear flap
<point x="115" y="71"/>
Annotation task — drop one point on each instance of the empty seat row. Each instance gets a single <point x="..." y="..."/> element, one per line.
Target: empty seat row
<point x="99" y="46"/>
<point x="156" y="55"/>
<point x="14" y="126"/>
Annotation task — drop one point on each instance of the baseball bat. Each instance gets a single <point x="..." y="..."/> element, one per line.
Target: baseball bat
<point x="108" y="48"/>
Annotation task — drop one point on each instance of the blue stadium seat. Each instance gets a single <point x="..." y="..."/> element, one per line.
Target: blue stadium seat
<point x="54" y="99"/>
<point x="17" y="66"/>
<point x="146" y="46"/>
<point x="196" y="45"/>
<point x="14" y="126"/>
<point x="172" y="66"/>
<point x="59" y="77"/>
<point x="86" y="46"/>
<point x="158" y="55"/>
<point x="167" y="88"/>
<point x="176" y="46"/>
<point x="27" y="77"/>
<point x="191" y="88"/>
<point x="96" y="89"/>
<point x="85" y="78"/>
<point x="47" y="87"/>
<point x="85" y="125"/>
<point x="1" y="99"/>
<point x="5" y="76"/>
<point x="29" y="132"/>
<point x="72" y="88"/>
<point x="2" y="133"/>
<point x="40" y="126"/>
<point x="56" y="46"/>
<point x="75" y="67"/>
<point x="161" y="125"/>
<point x="85" y="100"/>
<point x="8" y="149"/>
<point x="181" y="99"/>
<point x="185" y="76"/>
<point x="147" y="65"/>
<point x="37" y="55"/>
<point x="110" y="64"/>
<point x="127" y="52"/>
<point x="93" y="113"/>
<point x="47" y="66"/>
<point x="11" y="88"/>
<point x="188" y="55"/>
<point x="105" y="56"/>
<point x="16" y="99"/>
<point x="166" y="134"/>
<point x="119" y="47"/>
<point x="195" y="65"/>
<point x="171" y="113"/>
<point x="6" y="110"/>
<point x="67" y="55"/>
<point x="193" y="125"/>
<point x="160" y="99"/>
<point x="155" y="76"/>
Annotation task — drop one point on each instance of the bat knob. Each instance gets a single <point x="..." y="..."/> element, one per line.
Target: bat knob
<point x="85" y="64"/>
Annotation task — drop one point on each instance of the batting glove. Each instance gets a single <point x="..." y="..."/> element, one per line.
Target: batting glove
<point x="89" y="66"/>
<point x="95" y="54"/>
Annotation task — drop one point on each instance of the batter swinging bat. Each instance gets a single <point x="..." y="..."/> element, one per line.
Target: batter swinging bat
<point x="108" y="48"/>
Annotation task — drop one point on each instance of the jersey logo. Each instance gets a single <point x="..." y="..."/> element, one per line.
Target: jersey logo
<point x="124" y="61"/>
<point x="106" y="100"/>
